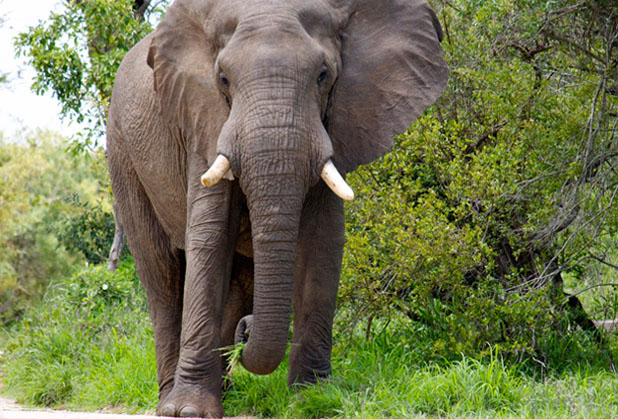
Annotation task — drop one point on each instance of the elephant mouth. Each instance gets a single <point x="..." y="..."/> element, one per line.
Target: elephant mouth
<point x="331" y="176"/>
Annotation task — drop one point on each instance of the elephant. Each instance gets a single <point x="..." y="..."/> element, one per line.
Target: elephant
<point x="230" y="131"/>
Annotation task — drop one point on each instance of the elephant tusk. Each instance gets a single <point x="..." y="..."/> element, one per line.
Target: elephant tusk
<point x="335" y="181"/>
<point x="216" y="172"/>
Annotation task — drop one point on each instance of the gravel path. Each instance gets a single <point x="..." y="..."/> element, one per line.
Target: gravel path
<point x="48" y="414"/>
<point x="11" y="410"/>
<point x="7" y="404"/>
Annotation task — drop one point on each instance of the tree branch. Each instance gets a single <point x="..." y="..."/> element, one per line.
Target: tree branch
<point x="140" y="7"/>
<point x="603" y="261"/>
<point x="606" y="284"/>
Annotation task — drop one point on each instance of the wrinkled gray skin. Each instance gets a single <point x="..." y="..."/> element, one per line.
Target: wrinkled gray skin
<point x="278" y="87"/>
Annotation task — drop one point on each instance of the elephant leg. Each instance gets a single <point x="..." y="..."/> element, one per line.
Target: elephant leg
<point x="239" y="299"/>
<point x="209" y="248"/>
<point x="320" y="249"/>
<point x="160" y="267"/>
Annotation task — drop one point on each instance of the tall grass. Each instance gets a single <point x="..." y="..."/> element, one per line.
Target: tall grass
<point x="381" y="378"/>
<point x="90" y="346"/>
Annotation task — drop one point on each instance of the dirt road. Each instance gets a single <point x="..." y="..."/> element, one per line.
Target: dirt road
<point x="11" y="410"/>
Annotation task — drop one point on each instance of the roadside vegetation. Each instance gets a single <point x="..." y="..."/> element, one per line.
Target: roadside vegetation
<point x="478" y="252"/>
<point x="88" y="345"/>
<point x="55" y="215"/>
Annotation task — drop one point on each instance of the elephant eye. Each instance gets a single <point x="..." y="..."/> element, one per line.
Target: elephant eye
<point x="223" y="79"/>
<point x="323" y="74"/>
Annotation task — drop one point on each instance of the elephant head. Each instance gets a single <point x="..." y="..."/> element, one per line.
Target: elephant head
<point x="279" y="93"/>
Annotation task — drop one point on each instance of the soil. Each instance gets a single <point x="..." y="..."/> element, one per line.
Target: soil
<point x="9" y="409"/>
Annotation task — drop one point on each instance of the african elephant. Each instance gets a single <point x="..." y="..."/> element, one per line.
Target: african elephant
<point x="230" y="129"/>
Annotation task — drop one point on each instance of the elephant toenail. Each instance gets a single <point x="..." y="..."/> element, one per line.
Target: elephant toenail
<point x="189" y="412"/>
<point x="167" y="410"/>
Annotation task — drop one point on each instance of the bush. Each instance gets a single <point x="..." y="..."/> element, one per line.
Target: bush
<point x="38" y="177"/>
<point x="88" y="229"/>
<point x="488" y="212"/>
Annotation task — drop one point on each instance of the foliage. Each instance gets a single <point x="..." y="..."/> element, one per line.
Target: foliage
<point x="3" y="76"/>
<point x="89" y="231"/>
<point x="90" y="339"/>
<point x="36" y="181"/>
<point x="501" y="197"/>
<point x="76" y="53"/>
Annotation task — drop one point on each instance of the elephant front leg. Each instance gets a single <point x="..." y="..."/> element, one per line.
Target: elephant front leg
<point x="320" y="251"/>
<point x="208" y="248"/>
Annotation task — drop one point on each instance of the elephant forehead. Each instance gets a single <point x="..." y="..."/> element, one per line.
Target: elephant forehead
<point x="290" y="16"/>
<point x="252" y="61"/>
<point x="275" y="45"/>
<point x="249" y="7"/>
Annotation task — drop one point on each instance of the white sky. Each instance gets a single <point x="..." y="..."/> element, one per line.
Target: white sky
<point x="19" y="106"/>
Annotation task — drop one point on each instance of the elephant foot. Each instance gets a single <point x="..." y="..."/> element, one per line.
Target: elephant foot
<point x="191" y="403"/>
<point x="308" y="377"/>
<point x="166" y="389"/>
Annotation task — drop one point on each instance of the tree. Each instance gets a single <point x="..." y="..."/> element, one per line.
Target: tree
<point x="39" y="239"/>
<point x="76" y="53"/>
<point x="502" y="197"/>
<point x="3" y="76"/>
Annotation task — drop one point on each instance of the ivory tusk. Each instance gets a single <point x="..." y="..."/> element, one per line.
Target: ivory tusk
<point x="335" y="181"/>
<point x="216" y="172"/>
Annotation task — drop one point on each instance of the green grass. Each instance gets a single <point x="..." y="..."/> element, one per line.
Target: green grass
<point x="90" y="346"/>
<point x="378" y="379"/>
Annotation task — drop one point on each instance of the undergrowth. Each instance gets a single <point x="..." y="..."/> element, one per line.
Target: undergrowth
<point x="89" y="346"/>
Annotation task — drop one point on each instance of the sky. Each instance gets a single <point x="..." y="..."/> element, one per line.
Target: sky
<point x="19" y="107"/>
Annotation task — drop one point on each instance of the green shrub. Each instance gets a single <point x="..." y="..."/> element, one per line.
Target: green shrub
<point x="39" y="180"/>
<point x="488" y="210"/>
<point x="88" y="229"/>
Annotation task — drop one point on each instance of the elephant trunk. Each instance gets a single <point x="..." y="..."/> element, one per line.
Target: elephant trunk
<point x="275" y="183"/>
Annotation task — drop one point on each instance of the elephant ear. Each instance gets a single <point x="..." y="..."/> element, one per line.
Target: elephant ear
<point x="392" y="69"/>
<point x="182" y="57"/>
